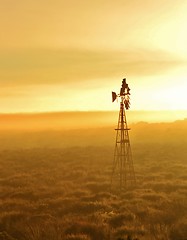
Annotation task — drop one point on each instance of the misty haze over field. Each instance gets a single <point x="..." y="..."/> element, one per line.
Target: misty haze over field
<point x="88" y="128"/>
<point x="76" y="120"/>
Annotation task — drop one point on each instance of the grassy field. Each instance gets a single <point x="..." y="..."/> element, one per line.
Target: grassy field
<point x="63" y="192"/>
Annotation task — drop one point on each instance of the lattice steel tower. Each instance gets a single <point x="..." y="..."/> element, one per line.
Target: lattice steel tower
<point x="123" y="173"/>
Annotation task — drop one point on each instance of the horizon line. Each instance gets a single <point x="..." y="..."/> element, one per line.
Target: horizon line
<point x="88" y="111"/>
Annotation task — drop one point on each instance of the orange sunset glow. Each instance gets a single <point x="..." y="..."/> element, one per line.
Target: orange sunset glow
<point x="69" y="55"/>
<point x="93" y="120"/>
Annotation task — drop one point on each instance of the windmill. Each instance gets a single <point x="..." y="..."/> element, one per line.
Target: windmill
<point x="123" y="170"/>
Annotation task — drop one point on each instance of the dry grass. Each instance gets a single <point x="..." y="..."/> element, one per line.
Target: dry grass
<point x="64" y="194"/>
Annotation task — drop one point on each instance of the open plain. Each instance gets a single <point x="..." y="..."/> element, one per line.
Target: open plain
<point x="56" y="185"/>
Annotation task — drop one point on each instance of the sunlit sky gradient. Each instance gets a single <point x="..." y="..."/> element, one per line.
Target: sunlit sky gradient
<point x="69" y="55"/>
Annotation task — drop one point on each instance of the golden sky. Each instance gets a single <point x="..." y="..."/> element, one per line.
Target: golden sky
<point x="58" y="55"/>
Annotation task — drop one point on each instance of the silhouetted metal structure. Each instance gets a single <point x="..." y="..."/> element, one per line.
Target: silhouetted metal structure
<point x="123" y="170"/>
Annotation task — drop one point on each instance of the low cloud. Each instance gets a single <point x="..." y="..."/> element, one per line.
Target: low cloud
<point x="66" y="66"/>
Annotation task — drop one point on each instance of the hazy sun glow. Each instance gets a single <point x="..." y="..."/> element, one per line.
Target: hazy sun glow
<point x="66" y="56"/>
